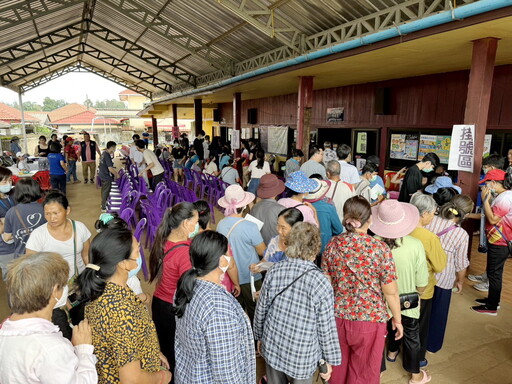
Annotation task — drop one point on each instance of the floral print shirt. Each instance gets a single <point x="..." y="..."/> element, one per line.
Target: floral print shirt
<point x="359" y="265"/>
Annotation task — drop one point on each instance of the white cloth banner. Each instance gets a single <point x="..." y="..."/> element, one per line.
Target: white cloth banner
<point x="278" y="140"/>
<point x="235" y="139"/>
<point x="462" y="150"/>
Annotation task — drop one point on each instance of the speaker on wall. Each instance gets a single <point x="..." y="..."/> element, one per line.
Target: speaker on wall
<point x="252" y="116"/>
<point x="216" y="115"/>
<point x="383" y="102"/>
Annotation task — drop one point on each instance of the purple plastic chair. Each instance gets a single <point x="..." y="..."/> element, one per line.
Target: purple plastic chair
<point x="127" y="215"/>
<point x="138" y="234"/>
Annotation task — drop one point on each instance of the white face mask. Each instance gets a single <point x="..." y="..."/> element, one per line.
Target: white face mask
<point x="224" y="269"/>
<point x="64" y="298"/>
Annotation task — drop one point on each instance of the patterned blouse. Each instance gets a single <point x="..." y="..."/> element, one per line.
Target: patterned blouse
<point x="359" y="265"/>
<point x="122" y="332"/>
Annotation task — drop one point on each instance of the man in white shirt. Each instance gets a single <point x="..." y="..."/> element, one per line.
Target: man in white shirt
<point x="138" y="158"/>
<point x="339" y="191"/>
<point x="348" y="173"/>
<point x="152" y="163"/>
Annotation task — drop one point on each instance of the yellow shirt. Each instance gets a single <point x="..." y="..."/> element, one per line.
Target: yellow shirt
<point x="436" y="257"/>
<point x="122" y="332"/>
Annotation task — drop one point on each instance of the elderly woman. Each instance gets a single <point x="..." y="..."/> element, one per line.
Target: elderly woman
<point x="298" y="185"/>
<point x="436" y="262"/>
<point x="294" y="320"/>
<point x="122" y="330"/>
<point x="32" y="350"/>
<point x="411" y="266"/>
<point x="214" y="341"/>
<point x="455" y="242"/>
<point x="363" y="275"/>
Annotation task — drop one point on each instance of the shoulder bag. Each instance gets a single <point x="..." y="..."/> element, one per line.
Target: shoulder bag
<point x="509" y="243"/>
<point x="289" y="285"/>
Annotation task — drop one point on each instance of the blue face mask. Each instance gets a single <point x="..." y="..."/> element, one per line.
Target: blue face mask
<point x="5" y="188"/>
<point x="134" y="272"/>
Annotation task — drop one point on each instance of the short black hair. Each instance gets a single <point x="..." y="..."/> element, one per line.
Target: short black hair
<point x="42" y="137"/>
<point x="343" y="151"/>
<point x="433" y="158"/>
<point x="313" y="150"/>
<point x="58" y="197"/>
<point x="369" y="167"/>
<point x="27" y="191"/>
<point x="202" y="133"/>
<point x="111" y="144"/>
<point x="135" y="137"/>
<point x="55" y="147"/>
<point x="140" y="144"/>
<point x="494" y="160"/>
<point x="291" y="215"/>
<point x="297" y="153"/>
<point x="5" y="173"/>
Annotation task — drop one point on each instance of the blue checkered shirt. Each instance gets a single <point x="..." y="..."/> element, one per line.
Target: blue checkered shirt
<point x="298" y="329"/>
<point x="214" y="341"/>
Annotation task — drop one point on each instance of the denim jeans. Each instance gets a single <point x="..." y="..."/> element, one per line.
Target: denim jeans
<point x="58" y="182"/>
<point x="71" y="171"/>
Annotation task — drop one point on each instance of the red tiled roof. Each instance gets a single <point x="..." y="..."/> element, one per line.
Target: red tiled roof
<point x="85" y="118"/>
<point x="13" y="115"/>
<point x="129" y="92"/>
<point x="68" y="111"/>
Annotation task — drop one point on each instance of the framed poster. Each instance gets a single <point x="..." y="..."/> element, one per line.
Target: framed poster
<point x="428" y="143"/>
<point x="361" y="142"/>
<point x="443" y="148"/>
<point x="397" y="146"/>
<point x="335" y="114"/>
<point x="404" y="146"/>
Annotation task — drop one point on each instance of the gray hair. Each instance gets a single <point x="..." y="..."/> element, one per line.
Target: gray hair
<point x="303" y="241"/>
<point x="424" y="203"/>
<point x="333" y="167"/>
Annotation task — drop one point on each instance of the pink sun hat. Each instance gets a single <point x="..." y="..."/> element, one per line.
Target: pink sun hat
<point x="392" y="219"/>
<point x="235" y="197"/>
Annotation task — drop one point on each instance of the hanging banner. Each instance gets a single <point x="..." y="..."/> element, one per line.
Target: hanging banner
<point x="361" y="142"/>
<point x="278" y="140"/>
<point x="487" y="145"/>
<point x="235" y="139"/>
<point x="176" y="132"/>
<point x="462" y="155"/>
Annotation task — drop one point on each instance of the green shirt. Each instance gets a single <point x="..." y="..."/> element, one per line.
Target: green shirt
<point x="411" y="268"/>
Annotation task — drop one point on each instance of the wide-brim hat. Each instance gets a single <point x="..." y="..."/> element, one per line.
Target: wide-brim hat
<point x="392" y="219"/>
<point x="494" y="175"/>
<point x="20" y="154"/>
<point x="442" y="182"/>
<point x="318" y="193"/>
<point x="235" y="197"/>
<point x="299" y="182"/>
<point x="269" y="186"/>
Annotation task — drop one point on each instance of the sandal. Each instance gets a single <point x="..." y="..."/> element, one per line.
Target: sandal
<point x="390" y="359"/>
<point x="426" y="378"/>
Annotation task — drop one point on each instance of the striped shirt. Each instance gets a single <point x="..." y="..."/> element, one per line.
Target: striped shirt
<point x="455" y="244"/>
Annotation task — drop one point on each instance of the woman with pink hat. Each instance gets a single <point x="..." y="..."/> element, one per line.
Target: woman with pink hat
<point x="363" y="275"/>
<point x="245" y="240"/>
<point x="393" y="222"/>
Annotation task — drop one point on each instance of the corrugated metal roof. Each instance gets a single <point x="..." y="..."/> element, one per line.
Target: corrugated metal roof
<point x="175" y="41"/>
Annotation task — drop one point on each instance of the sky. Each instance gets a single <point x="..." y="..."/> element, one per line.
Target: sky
<point x="72" y="87"/>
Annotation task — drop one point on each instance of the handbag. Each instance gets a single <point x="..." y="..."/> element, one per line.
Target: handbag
<point x="409" y="301"/>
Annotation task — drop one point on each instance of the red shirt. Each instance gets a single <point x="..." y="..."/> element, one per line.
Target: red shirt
<point x="359" y="265"/>
<point x="70" y="151"/>
<point x="176" y="263"/>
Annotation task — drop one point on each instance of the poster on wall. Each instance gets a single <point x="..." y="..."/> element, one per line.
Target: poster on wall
<point x="443" y="144"/>
<point x="235" y="139"/>
<point x="361" y="142"/>
<point x="487" y="145"/>
<point x="335" y="114"/>
<point x="278" y="140"/>
<point x="404" y="146"/>
<point x="397" y="146"/>
<point x="462" y="153"/>
<point x="428" y="143"/>
<point x="411" y="147"/>
<point x="263" y="137"/>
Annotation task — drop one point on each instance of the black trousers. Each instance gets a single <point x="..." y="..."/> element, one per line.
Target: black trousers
<point x="425" y="312"/>
<point x="245" y="298"/>
<point x="106" y="186"/>
<point x="165" y="324"/>
<point x="496" y="257"/>
<point x="58" y="182"/>
<point x="156" y="179"/>
<point x="410" y="343"/>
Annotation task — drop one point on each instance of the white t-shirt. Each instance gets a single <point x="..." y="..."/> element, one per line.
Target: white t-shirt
<point x="135" y="155"/>
<point x="150" y="157"/>
<point x="256" y="173"/>
<point x="42" y="241"/>
<point x="211" y="168"/>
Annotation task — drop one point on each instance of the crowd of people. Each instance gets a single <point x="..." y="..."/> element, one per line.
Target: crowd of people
<point x="318" y="270"/>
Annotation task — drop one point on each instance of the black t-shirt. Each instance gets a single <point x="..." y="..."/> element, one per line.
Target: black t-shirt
<point x="105" y="163"/>
<point x="411" y="184"/>
<point x="198" y="147"/>
<point x="178" y="153"/>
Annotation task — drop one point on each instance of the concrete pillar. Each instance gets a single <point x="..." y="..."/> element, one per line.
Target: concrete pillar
<point x="155" y="131"/>
<point x="477" y="106"/>
<point x="198" y="115"/>
<point x="237" y="116"/>
<point x="304" y="111"/>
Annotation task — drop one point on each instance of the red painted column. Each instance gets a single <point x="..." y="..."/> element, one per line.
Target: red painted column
<point x="477" y="106"/>
<point x="198" y="115"/>
<point x="237" y="116"/>
<point x="155" y="130"/>
<point x="304" y="109"/>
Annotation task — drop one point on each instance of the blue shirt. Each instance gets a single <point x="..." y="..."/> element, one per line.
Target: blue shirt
<point x="380" y="182"/>
<point x="223" y="161"/>
<point x="214" y="340"/>
<point x="54" y="160"/>
<point x="191" y="161"/>
<point x="242" y="239"/>
<point x="330" y="224"/>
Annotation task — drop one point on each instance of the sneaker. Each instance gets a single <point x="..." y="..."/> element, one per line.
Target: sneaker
<point x="85" y="181"/>
<point x="103" y="211"/>
<point x="482" y="287"/>
<point x="478" y="278"/>
<point x="483" y="302"/>
<point x="485" y="310"/>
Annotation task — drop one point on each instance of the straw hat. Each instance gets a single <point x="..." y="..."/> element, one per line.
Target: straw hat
<point x="318" y="193"/>
<point x="392" y="219"/>
<point x="235" y="197"/>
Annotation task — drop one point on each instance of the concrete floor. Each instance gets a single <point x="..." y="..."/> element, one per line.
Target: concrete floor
<point x="478" y="348"/>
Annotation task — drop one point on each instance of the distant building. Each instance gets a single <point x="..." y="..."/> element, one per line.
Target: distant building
<point x="10" y="121"/>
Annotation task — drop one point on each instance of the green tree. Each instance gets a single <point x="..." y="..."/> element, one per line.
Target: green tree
<point x="50" y="104"/>
<point x="88" y="102"/>
<point x="28" y="106"/>
<point x="110" y="104"/>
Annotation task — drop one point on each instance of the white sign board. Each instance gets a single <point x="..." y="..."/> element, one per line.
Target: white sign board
<point x="487" y="145"/>
<point x="235" y="139"/>
<point x="462" y="150"/>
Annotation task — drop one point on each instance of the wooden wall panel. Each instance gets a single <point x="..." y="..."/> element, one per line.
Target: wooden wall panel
<point x="432" y="101"/>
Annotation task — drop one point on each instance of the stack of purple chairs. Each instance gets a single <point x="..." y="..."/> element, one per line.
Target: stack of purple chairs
<point x="138" y="235"/>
